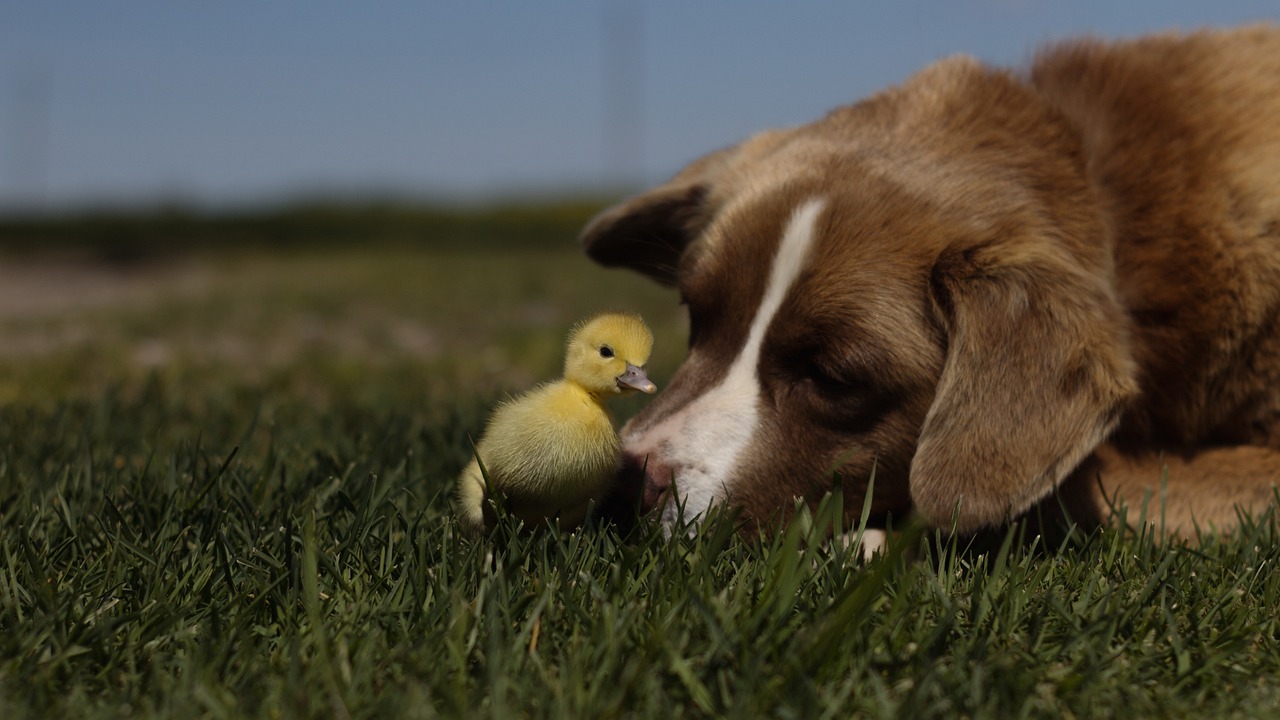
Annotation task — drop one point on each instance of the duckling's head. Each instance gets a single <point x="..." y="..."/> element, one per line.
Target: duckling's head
<point x="607" y="354"/>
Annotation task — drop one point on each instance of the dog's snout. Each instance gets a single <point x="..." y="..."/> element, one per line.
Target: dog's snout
<point x="645" y="479"/>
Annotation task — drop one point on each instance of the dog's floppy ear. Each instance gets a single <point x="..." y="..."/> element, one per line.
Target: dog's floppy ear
<point x="1037" y="372"/>
<point x="650" y="231"/>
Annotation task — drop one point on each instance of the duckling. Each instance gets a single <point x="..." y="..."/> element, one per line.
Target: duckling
<point x="554" y="449"/>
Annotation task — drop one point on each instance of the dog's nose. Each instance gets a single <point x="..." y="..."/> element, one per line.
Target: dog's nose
<point x="645" y="479"/>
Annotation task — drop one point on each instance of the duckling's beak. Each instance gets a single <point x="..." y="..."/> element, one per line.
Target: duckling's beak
<point x="635" y="379"/>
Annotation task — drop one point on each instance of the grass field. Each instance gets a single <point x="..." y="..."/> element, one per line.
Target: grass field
<point x="224" y="492"/>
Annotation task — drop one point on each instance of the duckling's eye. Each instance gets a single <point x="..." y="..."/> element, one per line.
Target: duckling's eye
<point x="606" y="351"/>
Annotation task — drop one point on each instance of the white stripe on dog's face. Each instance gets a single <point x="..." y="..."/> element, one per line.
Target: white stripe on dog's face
<point x="704" y="441"/>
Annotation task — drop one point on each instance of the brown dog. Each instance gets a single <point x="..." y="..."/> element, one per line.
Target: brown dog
<point x="983" y="286"/>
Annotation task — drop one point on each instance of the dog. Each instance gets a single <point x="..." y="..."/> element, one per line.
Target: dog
<point x="991" y="290"/>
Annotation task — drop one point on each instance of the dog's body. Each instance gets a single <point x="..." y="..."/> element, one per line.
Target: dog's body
<point x="982" y="286"/>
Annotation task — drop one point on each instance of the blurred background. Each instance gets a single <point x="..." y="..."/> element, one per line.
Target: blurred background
<point x="384" y="197"/>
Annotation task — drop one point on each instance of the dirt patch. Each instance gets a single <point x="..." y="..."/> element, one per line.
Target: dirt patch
<point x="35" y="289"/>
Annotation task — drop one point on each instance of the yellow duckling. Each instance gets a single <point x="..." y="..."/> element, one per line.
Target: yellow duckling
<point x="552" y="450"/>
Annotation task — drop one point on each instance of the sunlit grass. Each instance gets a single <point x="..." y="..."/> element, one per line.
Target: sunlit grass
<point x="482" y="321"/>
<point x="225" y="492"/>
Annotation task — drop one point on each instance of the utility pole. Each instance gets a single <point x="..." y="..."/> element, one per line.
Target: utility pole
<point x="623" y="92"/>
<point x="28" y="152"/>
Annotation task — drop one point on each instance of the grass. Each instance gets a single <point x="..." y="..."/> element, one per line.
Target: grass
<point x="130" y="236"/>
<point x="224" y="492"/>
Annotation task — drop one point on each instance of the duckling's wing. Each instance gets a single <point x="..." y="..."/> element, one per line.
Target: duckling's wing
<point x="553" y="442"/>
<point x="471" y="493"/>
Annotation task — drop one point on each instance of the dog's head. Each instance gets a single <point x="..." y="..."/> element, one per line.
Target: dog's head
<point x="918" y="286"/>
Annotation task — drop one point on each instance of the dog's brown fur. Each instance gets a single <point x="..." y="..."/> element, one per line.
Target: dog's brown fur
<point x="1065" y="279"/>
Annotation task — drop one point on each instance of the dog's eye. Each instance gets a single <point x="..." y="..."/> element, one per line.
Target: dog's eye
<point x="827" y="378"/>
<point x="821" y="376"/>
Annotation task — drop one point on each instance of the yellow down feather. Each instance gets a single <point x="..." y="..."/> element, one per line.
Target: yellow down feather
<point x="553" y="450"/>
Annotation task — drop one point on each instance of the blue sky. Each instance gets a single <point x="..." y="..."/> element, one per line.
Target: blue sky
<point x="228" y="102"/>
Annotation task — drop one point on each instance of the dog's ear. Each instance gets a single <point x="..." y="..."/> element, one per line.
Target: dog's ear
<point x="650" y="232"/>
<point x="1038" y="370"/>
